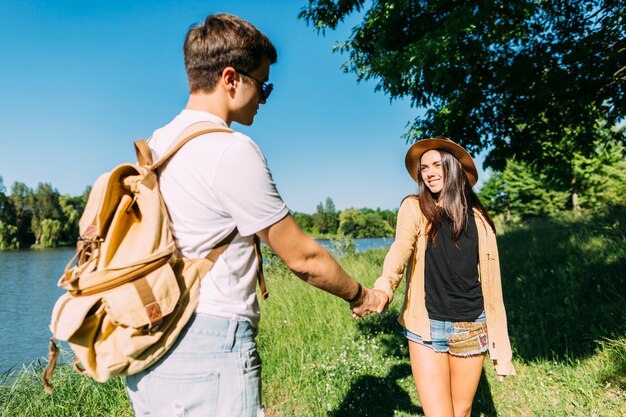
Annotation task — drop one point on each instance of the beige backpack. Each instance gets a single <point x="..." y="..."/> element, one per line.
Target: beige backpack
<point x="129" y="292"/>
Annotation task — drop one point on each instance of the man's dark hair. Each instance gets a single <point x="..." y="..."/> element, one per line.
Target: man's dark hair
<point x="223" y="40"/>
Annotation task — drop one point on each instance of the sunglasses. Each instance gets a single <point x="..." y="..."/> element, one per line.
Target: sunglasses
<point x="266" y="88"/>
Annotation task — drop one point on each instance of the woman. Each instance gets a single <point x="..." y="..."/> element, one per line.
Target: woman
<point x="453" y="310"/>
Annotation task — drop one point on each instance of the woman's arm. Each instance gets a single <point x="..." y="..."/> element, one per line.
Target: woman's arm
<point x="396" y="260"/>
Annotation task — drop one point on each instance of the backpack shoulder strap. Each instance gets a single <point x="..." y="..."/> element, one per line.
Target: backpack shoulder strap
<point x="144" y="154"/>
<point x="221" y="247"/>
<point x="143" y="151"/>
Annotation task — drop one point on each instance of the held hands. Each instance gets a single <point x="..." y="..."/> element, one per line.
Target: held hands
<point x="365" y="304"/>
<point x="383" y="300"/>
<point x="370" y="301"/>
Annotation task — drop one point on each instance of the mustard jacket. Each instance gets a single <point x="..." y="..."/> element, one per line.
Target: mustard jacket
<point x="410" y="240"/>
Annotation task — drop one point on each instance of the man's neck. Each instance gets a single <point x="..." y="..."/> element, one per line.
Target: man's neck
<point x="209" y="103"/>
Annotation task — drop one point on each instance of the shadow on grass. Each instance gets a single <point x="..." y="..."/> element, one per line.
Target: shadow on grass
<point x="374" y="396"/>
<point x="563" y="283"/>
<point x="483" y="400"/>
<point x="380" y="397"/>
<point x="383" y="397"/>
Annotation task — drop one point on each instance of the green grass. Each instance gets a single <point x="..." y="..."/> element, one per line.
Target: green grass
<point x="564" y="287"/>
<point x="21" y="395"/>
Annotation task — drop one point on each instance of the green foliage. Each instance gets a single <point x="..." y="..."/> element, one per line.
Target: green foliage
<point x="305" y="221"/>
<point x="522" y="190"/>
<point x="42" y="216"/>
<point x="8" y="230"/>
<point x="363" y="223"/>
<point x="352" y="223"/>
<point x="326" y="219"/>
<point x="72" y="208"/>
<point x="51" y="230"/>
<point x="601" y="177"/>
<point x="45" y="206"/>
<point x="21" y="199"/>
<point x="528" y="79"/>
<point x="8" y="236"/>
<point x="614" y="371"/>
<point x="343" y="246"/>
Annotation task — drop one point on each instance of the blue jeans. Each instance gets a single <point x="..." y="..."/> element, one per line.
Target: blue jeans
<point x="213" y="369"/>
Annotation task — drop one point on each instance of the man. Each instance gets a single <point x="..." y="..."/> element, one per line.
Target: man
<point x="212" y="186"/>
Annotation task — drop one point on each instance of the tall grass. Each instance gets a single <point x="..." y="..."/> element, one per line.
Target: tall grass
<point x="564" y="286"/>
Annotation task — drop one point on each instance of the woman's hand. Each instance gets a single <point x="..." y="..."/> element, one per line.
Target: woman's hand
<point x="383" y="300"/>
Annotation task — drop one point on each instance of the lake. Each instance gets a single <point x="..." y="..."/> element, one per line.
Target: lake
<point x="28" y="292"/>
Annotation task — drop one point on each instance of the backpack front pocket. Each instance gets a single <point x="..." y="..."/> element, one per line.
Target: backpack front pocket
<point x="144" y="302"/>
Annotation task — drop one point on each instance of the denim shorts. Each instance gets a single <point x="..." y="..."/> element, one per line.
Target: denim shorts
<point x="213" y="369"/>
<point x="456" y="338"/>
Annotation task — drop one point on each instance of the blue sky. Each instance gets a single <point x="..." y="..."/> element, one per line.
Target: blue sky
<point x="81" y="80"/>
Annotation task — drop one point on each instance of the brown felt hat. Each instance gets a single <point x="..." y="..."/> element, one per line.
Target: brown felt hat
<point x="417" y="150"/>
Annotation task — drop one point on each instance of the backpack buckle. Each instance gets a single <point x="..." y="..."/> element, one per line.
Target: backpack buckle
<point x="155" y="316"/>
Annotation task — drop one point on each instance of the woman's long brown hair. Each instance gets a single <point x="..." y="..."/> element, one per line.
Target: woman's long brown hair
<point x="456" y="198"/>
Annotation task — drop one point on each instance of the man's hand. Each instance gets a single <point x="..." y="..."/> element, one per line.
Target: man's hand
<point x="366" y="304"/>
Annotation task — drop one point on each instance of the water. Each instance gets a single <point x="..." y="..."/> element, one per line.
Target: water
<point x="28" y="292"/>
<point x="362" y="244"/>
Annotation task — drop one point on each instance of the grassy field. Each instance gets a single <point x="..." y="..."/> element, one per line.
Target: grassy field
<point x="565" y="290"/>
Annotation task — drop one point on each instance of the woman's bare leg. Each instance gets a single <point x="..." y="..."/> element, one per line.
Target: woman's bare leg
<point x="464" y="377"/>
<point x="431" y="373"/>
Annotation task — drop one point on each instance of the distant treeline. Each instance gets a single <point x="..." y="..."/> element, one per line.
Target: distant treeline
<point x="42" y="217"/>
<point x="39" y="217"/>
<point x="352" y="222"/>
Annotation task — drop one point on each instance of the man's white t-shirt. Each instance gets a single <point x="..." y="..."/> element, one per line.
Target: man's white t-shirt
<point x="215" y="183"/>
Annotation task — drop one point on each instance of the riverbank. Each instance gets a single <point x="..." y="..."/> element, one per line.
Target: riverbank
<point x="36" y="272"/>
<point x="563" y="284"/>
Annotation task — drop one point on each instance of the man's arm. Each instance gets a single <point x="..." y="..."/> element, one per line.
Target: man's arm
<point x="314" y="265"/>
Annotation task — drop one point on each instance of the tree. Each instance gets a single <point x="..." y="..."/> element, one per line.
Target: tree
<point x="332" y="217"/>
<point x="350" y="221"/>
<point x="520" y="190"/>
<point x="50" y="233"/>
<point x="8" y="231"/>
<point x="72" y="208"/>
<point x="602" y="176"/>
<point x="7" y="211"/>
<point x="326" y="218"/>
<point x="531" y="80"/>
<point x="363" y="223"/>
<point x="45" y="206"/>
<point x="305" y="221"/>
<point x="43" y="216"/>
<point x="21" y="198"/>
